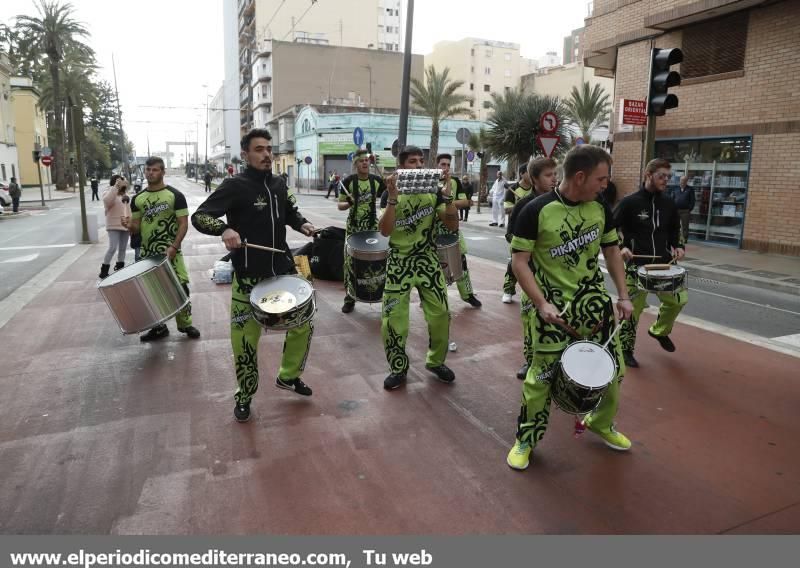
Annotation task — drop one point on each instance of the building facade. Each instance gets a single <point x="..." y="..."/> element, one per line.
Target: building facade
<point x="218" y="148"/>
<point x="259" y="22"/>
<point x="30" y="129"/>
<point x="573" y="46"/>
<point x="230" y="85"/>
<point x="484" y="66"/>
<point x="739" y="111"/>
<point x="9" y="155"/>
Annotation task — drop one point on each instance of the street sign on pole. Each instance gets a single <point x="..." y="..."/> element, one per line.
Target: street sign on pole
<point x="470" y="156"/>
<point x="547" y="143"/>
<point x="46" y="151"/>
<point x="634" y="112"/>
<point x="549" y="122"/>
<point x="462" y="135"/>
<point x="350" y="156"/>
<point x="579" y="141"/>
<point x="308" y="160"/>
<point x="396" y="147"/>
<point x="358" y="136"/>
<point x="46" y="160"/>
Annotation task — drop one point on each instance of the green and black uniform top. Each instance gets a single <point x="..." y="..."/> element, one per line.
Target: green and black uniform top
<point x="258" y="206"/>
<point x="650" y="225"/>
<point x="458" y="193"/>
<point x="158" y="212"/>
<point x="564" y="239"/>
<point x="415" y="226"/>
<point x="514" y="193"/>
<point x="362" y="215"/>
<point x="518" y="205"/>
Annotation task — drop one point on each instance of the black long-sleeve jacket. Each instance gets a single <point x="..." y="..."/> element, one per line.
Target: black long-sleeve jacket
<point x="650" y="225"/>
<point x="257" y="206"/>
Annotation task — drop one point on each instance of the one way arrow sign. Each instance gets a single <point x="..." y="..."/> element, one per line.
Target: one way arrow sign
<point x="547" y="143"/>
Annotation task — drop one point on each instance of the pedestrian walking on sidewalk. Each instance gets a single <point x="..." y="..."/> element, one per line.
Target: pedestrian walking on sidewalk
<point x="469" y="190"/>
<point x="95" y="183"/>
<point x="257" y="207"/>
<point x="160" y="215"/>
<point x="15" y="192"/>
<point x="409" y="222"/>
<point x="651" y="229"/>
<point x="333" y="185"/>
<point x="561" y="235"/>
<point x="497" y="195"/>
<point x="207" y="180"/>
<point x="116" y="204"/>
<point x="684" y="201"/>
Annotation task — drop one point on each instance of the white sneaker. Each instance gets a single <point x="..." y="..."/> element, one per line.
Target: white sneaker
<point x="507" y="298"/>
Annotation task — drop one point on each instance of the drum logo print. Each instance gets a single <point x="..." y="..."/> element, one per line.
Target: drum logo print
<point x="372" y="279"/>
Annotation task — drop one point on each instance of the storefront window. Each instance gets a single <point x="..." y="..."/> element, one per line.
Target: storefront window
<point x="718" y="172"/>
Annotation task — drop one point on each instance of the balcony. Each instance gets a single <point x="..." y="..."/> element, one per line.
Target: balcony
<point x="246" y="25"/>
<point x="286" y="147"/>
<point x="246" y="6"/>
<point x="262" y="99"/>
<point x="245" y="96"/>
<point x="262" y="69"/>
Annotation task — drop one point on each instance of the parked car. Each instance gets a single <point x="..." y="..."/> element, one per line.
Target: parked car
<point x="5" y="197"/>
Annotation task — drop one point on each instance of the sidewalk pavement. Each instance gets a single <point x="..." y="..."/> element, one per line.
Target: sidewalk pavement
<point x="102" y="434"/>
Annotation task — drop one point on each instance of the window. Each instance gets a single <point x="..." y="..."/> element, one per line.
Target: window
<point x="472" y="69"/>
<point x="306" y="126"/>
<point x="471" y="104"/>
<point x="13" y="170"/>
<point x="487" y="70"/>
<point x="488" y="53"/>
<point x="507" y="57"/>
<point x="714" y="47"/>
<point x="472" y="52"/>
<point x="472" y="86"/>
<point x="487" y="104"/>
<point x="3" y="169"/>
<point x="487" y="88"/>
<point x="508" y="89"/>
<point x="508" y="73"/>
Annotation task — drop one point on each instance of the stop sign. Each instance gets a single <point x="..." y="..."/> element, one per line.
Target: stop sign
<point x="46" y="160"/>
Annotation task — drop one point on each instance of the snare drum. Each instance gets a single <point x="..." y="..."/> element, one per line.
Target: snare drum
<point x="144" y="294"/>
<point x="672" y="279"/>
<point x="368" y="251"/>
<point x="283" y="302"/>
<point x="449" y="253"/>
<point x="582" y="377"/>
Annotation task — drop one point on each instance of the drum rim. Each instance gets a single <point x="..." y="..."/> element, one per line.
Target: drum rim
<point x="452" y="240"/>
<point x="114" y="279"/>
<point x="299" y="304"/>
<point x="662" y="274"/>
<point x="614" y="368"/>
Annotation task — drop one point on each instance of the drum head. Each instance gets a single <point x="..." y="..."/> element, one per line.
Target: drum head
<point x="665" y="273"/>
<point x="133" y="270"/>
<point x="588" y="364"/>
<point x="446" y="240"/>
<point x="371" y="241"/>
<point x="280" y="294"/>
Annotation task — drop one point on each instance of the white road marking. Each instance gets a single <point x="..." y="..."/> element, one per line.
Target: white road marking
<point x="27" y="258"/>
<point x="477" y="238"/>
<point x="37" y="247"/>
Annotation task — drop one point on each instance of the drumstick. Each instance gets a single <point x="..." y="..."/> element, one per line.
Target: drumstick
<point x="616" y="329"/>
<point x="645" y="256"/>
<point x="260" y="247"/>
<point x="561" y="313"/>
<point x="656" y="266"/>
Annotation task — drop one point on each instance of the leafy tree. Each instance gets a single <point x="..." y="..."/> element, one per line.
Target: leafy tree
<point x="478" y="141"/>
<point x="588" y="109"/>
<point x="438" y="99"/>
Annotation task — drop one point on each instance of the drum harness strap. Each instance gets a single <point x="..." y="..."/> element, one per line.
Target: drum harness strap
<point x="354" y="189"/>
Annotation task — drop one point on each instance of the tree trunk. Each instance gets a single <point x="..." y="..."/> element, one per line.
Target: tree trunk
<point x="434" y="144"/>
<point x="484" y="175"/>
<point x="59" y="161"/>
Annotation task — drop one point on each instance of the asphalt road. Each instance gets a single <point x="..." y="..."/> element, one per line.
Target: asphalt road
<point x="29" y="244"/>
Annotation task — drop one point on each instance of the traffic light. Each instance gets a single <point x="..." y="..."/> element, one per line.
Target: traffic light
<point x="369" y="147"/>
<point x="661" y="79"/>
<point x="36" y="154"/>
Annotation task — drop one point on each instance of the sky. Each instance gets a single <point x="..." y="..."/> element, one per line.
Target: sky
<point x="166" y="51"/>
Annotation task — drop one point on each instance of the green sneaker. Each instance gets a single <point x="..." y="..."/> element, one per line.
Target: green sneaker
<point x="519" y="456"/>
<point x="613" y="439"/>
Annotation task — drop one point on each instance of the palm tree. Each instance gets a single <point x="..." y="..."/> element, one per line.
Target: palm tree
<point x="478" y="142"/>
<point x="514" y="124"/>
<point x="588" y="109"/>
<point x="49" y="35"/>
<point x="438" y="99"/>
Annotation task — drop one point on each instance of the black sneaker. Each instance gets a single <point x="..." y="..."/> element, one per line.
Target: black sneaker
<point x="443" y="373"/>
<point x="523" y="372"/>
<point x="119" y="266"/>
<point x="295" y="385"/>
<point x="630" y="360"/>
<point x="348" y="307"/>
<point x="492" y="224"/>
<point x="242" y="411"/>
<point x="473" y="301"/>
<point x="664" y="341"/>
<point x="158" y="332"/>
<point x="394" y="381"/>
<point x="191" y="331"/>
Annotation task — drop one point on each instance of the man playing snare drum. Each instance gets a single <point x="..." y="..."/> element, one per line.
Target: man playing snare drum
<point x="409" y="222"/>
<point x="257" y="206"/>
<point x="562" y="233"/>
<point x="361" y="191"/>
<point x="651" y="228"/>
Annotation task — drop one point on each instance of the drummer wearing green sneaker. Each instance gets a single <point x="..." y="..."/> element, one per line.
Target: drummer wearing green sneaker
<point x="562" y="233"/>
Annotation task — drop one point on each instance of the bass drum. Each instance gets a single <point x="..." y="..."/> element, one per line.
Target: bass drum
<point x="368" y="251"/>
<point x="144" y="294"/>
<point x="283" y="302"/>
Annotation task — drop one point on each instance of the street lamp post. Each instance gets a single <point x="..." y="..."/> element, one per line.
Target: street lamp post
<point x="205" y="168"/>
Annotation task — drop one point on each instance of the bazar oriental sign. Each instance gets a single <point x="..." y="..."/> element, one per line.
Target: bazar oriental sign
<point x="633" y="112"/>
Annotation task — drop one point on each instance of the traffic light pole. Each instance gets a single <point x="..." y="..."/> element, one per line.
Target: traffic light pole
<point x="650" y="140"/>
<point x="41" y="186"/>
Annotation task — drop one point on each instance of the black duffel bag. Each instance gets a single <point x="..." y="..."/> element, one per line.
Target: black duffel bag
<point x="327" y="254"/>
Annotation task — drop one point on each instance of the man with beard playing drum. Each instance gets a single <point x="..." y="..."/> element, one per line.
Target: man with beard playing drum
<point x="557" y="239"/>
<point x="257" y="206"/>
<point x="361" y="191"/>
<point x="410" y="223"/>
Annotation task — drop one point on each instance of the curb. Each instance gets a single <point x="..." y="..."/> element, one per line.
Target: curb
<point x="711" y="273"/>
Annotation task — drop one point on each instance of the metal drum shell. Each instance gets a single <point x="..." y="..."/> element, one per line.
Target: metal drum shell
<point x="141" y="297"/>
<point x="449" y="253"/>
<point x="295" y="317"/>
<point x="366" y="254"/>
<point x="672" y="280"/>
<point x="569" y="394"/>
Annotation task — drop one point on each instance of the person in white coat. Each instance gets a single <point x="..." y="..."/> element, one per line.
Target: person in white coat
<point x="497" y="195"/>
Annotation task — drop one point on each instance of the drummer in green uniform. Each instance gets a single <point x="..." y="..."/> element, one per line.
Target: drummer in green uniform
<point x="161" y="215"/>
<point x="362" y="189"/>
<point x="464" y="283"/>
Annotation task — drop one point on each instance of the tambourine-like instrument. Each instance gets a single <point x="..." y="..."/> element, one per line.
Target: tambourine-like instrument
<point x="419" y="181"/>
